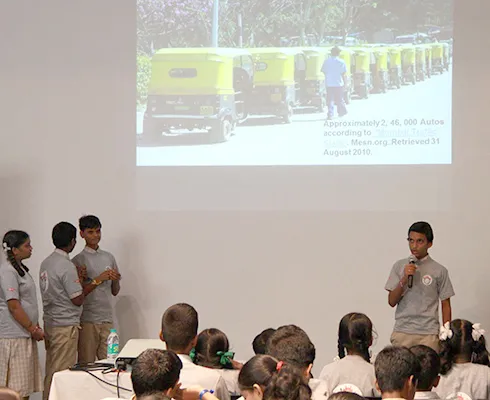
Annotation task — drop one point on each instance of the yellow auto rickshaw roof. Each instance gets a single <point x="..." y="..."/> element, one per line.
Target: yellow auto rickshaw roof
<point x="289" y="51"/>
<point x="213" y="51"/>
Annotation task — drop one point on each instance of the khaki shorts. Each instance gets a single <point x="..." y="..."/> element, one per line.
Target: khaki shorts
<point x="92" y="343"/>
<point x="61" y="351"/>
<point x="19" y="366"/>
<point x="410" y="340"/>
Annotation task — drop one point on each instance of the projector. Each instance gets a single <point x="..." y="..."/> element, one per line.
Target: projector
<point x="133" y="348"/>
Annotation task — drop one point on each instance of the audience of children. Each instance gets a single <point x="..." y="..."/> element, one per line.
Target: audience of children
<point x="202" y="367"/>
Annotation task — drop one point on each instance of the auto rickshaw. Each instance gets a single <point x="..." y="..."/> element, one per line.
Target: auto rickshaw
<point x="380" y="71"/>
<point x="312" y="92"/>
<point x="408" y="64"/>
<point x="362" y="74"/>
<point x="437" y="57"/>
<point x="420" y="62"/>
<point x="428" y="59"/>
<point x="446" y="55"/>
<point x="279" y="76"/>
<point x="395" y="66"/>
<point x="348" y="56"/>
<point x="197" y="88"/>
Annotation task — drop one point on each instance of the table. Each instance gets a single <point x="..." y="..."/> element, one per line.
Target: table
<point x="79" y="385"/>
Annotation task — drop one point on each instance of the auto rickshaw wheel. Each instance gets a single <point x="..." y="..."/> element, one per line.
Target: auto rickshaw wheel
<point x="222" y="131"/>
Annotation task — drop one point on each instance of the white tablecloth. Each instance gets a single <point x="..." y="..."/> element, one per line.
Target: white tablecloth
<point x="79" y="385"/>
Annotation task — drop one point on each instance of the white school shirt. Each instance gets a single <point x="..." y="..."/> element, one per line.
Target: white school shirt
<point x="192" y="374"/>
<point x="470" y="379"/>
<point x="318" y="389"/>
<point x="230" y="376"/>
<point x="350" y="374"/>
<point x="426" y="396"/>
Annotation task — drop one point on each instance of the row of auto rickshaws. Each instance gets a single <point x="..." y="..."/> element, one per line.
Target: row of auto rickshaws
<point x="217" y="88"/>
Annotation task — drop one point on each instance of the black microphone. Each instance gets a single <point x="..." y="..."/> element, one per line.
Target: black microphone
<point x="411" y="260"/>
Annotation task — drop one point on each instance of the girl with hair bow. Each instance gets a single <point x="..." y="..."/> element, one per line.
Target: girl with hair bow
<point x="464" y="361"/>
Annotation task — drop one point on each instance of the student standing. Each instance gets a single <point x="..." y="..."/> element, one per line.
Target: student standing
<point x="19" y="313"/>
<point x="62" y="296"/>
<point x="103" y="280"/>
<point x="417" y="307"/>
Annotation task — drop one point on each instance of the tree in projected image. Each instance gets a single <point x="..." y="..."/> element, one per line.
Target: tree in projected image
<point x="172" y="23"/>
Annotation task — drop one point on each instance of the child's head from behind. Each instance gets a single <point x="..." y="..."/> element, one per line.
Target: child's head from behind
<point x="155" y="372"/>
<point x="465" y="343"/>
<point x="430" y="367"/>
<point x="263" y="377"/>
<point x="397" y="371"/>
<point x="345" y="396"/>
<point x="255" y="375"/>
<point x="292" y="345"/>
<point x="355" y="335"/>
<point x="64" y="236"/>
<point x="212" y="349"/>
<point x="8" y="394"/>
<point x="179" y="327"/>
<point x="259" y="343"/>
<point x="90" y="229"/>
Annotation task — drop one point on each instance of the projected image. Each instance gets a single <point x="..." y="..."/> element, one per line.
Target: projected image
<point x="294" y="82"/>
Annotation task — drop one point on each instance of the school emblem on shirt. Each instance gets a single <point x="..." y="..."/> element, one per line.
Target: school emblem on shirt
<point x="458" y="396"/>
<point x="11" y="289"/>
<point x="427" y="280"/>
<point x="349" y="388"/>
<point x="43" y="281"/>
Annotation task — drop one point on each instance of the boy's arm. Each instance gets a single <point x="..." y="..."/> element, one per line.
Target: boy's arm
<point x="446" y="311"/>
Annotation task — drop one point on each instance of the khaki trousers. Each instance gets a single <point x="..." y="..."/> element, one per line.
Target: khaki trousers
<point x="92" y="342"/>
<point x="410" y="340"/>
<point x="61" y="351"/>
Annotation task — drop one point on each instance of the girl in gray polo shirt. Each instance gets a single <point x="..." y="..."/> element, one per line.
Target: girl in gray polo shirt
<point x="465" y="371"/>
<point x="354" y="371"/>
<point x="19" y="329"/>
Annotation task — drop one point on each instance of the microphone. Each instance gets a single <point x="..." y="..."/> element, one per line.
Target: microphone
<point x="411" y="260"/>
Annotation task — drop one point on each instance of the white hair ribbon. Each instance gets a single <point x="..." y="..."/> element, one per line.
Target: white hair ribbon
<point x="445" y="332"/>
<point x="477" y="332"/>
<point x="6" y="247"/>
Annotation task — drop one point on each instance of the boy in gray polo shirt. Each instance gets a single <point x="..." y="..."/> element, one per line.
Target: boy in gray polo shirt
<point x="103" y="278"/>
<point x="417" y="308"/>
<point x="62" y="296"/>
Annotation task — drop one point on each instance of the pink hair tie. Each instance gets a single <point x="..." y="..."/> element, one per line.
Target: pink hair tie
<point x="279" y="365"/>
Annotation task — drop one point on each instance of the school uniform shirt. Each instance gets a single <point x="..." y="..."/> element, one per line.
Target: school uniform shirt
<point x="418" y="310"/>
<point x="470" y="379"/>
<point x="97" y="307"/>
<point x="59" y="283"/>
<point x="192" y="374"/>
<point x="350" y="374"/>
<point x="16" y="287"/>
<point x="230" y="376"/>
<point x="426" y="396"/>
<point x="318" y="389"/>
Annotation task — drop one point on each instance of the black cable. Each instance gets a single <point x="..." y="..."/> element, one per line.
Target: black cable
<point x="117" y="382"/>
<point x="110" y="384"/>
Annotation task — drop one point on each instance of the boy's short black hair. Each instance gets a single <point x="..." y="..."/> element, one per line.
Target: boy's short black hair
<point x="292" y="345"/>
<point x="89" y="222"/>
<point x="424" y="228"/>
<point x="63" y="233"/>
<point x="179" y="326"/>
<point x="393" y="367"/>
<point x="259" y="343"/>
<point x="430" y="366"/>
<point x="155" y="371"/>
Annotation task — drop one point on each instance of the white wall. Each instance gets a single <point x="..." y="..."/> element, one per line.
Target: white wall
<point x="67" y="147"/>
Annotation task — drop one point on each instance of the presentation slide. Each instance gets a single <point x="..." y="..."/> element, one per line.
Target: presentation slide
<point x="294" y="82"/>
